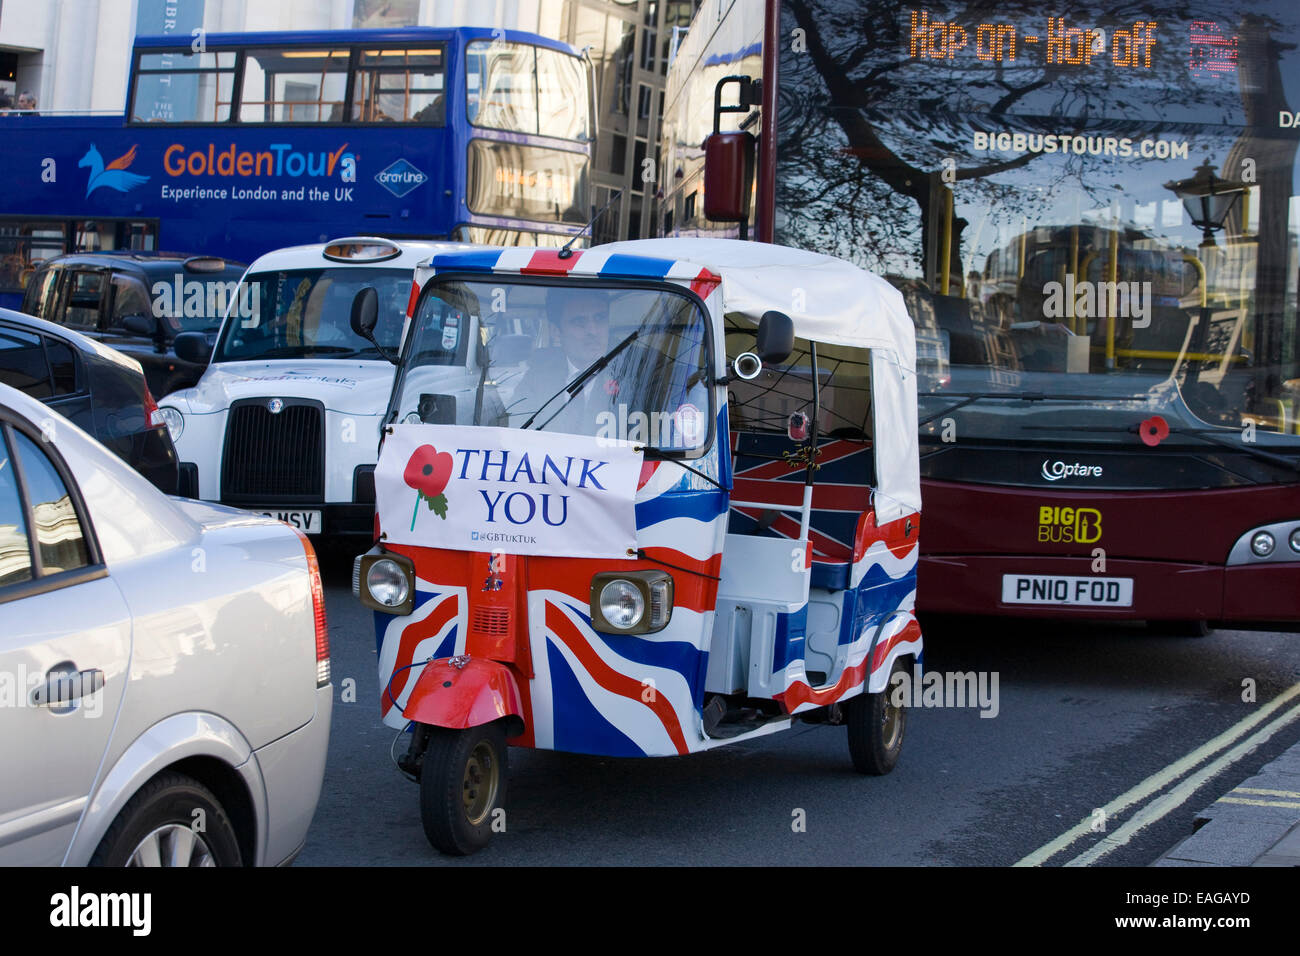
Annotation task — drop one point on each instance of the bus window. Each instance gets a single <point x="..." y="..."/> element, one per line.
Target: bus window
<point x="561" y="97"/>
<point x="177" y="86"/>
<point x="501" y="84"/>
<point x="294" y="86"/>
<point x="401" y="86"/>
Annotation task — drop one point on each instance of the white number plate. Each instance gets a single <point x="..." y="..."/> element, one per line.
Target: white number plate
<point x="1059" y="589"/>
<point x="309" y="521"/>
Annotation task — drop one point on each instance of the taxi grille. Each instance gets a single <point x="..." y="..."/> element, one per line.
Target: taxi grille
<point x="270" y="458"/>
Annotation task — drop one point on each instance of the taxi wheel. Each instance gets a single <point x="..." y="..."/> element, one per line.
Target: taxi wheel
<point x="173" y="821"/>
<point x="462" y="786"/>
<point x="876" y="729"/>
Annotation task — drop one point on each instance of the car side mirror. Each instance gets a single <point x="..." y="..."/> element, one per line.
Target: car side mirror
<point x="139" y="324"/>
<point x="192" y="347"/>
<point x="775" y="339"/>
<point x="365" y="313"/>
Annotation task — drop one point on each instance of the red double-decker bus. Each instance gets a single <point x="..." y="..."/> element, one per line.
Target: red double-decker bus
<point x="1093" y="217"/>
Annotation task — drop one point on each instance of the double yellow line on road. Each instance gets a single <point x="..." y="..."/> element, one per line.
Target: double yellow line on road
<point x="1152" y="785"/>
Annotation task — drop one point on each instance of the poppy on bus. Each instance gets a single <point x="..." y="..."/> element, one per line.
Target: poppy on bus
<point x="1153" y="431"/>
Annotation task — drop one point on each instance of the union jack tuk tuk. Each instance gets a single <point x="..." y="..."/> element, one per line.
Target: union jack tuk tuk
<point x="645" y="499"/>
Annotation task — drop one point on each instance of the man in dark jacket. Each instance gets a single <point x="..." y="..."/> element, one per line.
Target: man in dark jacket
<point x="581" y="319"/>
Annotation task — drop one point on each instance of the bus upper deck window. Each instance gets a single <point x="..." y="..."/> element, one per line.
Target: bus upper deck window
<point x="180" y="86"/>
<point x="294" y="86"/>
<point x="400" y="86"/>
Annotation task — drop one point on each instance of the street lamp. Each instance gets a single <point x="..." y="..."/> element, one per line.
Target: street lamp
<point x="1207" y="198"/>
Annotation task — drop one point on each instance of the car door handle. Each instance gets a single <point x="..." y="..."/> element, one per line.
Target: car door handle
<point x="65" y="684"/>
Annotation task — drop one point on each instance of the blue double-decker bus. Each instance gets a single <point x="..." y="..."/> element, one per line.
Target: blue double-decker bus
<point x="235" y="144"/>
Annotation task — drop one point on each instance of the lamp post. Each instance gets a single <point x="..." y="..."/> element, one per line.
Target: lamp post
<point x="1208" y="198"/>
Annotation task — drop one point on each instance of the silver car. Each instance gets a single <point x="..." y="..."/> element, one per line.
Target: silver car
<point x="165" y="688"/>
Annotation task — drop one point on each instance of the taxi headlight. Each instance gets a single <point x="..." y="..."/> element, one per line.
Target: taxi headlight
<point x="174" y="421"/>
<point x="635" y="602"/>
<point x="385" y="582"/>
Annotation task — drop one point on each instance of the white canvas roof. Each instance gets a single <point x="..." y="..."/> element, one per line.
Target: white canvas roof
<point x="828" y="299"/>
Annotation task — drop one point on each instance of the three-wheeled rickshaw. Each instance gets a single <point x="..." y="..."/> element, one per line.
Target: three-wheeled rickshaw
<point x="676" y="506"/>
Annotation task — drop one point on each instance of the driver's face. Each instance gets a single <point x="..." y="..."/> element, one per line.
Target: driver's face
<point x="584" y="328"/>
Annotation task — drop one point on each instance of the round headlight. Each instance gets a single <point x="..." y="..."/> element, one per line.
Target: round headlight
<point x="412" y="418"/>
<point x="621" y="604"/>
<point x="1262" y="544"/>
<point x="387" y="583"/>
<point x="1295" y="540"/>
<point x="174" y="421"/>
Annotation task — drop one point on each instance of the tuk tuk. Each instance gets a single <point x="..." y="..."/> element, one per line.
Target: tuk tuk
<point x="679" y="509"/>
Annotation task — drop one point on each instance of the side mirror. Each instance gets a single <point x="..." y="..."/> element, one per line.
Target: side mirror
<point x="728" y="176"/>
<point x="775" y="340"/>
<point x="192" y="347"/>
<point x="365" y="313"/>
<point x="140" y="324"/>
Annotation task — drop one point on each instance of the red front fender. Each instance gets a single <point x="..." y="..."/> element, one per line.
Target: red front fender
<point x="462" y="697"/>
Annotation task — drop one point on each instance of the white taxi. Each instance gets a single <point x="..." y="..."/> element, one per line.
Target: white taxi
<point x="285" y="420"/>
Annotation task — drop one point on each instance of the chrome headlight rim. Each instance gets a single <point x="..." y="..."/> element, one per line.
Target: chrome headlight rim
<point x="618" y="597"/>
<point x="174" y="419"/>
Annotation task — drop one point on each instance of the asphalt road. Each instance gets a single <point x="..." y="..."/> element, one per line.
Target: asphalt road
<point x="1085" y="713"/>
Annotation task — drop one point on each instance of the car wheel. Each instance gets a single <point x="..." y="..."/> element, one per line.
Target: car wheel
<point x="173" y="821"/>
<point x="876" y="729"/>
<point x="462" y="785"/>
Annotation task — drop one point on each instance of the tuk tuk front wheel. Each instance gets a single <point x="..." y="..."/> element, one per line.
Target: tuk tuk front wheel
<point x="462" y="786"/>
<point x="876" y="729"/>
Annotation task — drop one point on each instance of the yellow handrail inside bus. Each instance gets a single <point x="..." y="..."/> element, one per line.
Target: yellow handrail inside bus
<point x="1112" y="275"/>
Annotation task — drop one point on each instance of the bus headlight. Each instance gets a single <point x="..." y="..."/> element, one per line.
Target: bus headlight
<point x="1262" y="544"/>
<point x="174" y="421"/>
<point x="1295" y="540"/>
<point x="635" y="602"/>
<point x="385" y="582"/>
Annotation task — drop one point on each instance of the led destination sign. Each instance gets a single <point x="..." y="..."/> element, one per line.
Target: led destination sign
<point x="1059" y="42"/>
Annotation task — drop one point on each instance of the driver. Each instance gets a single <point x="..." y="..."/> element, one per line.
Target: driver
<point x="580" y="317"/>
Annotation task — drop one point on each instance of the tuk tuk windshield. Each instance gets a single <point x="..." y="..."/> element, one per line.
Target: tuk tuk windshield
<point x="611" y="362"/>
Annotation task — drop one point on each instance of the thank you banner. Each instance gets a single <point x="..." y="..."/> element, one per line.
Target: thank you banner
<point x="498" y="489"/>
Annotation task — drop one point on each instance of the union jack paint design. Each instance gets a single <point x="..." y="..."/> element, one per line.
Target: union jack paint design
<point x="585" y="691"/>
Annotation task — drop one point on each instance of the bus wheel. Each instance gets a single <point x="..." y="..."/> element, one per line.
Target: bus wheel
<point x="876" y="729"/>
<point x="462" y="787"/>
<point x="1180" y="628"/>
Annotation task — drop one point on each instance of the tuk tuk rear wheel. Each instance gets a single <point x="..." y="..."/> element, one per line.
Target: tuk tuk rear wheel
<point x="462" y="785"/>
<point x="876" y="728"/>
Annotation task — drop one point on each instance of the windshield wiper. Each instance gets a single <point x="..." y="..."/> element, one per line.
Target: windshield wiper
<point x="579" y="380"/>
<point x="973" y="397"/>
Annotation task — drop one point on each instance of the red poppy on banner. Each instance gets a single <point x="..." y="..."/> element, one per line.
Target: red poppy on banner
<point x="428" y="472"/>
